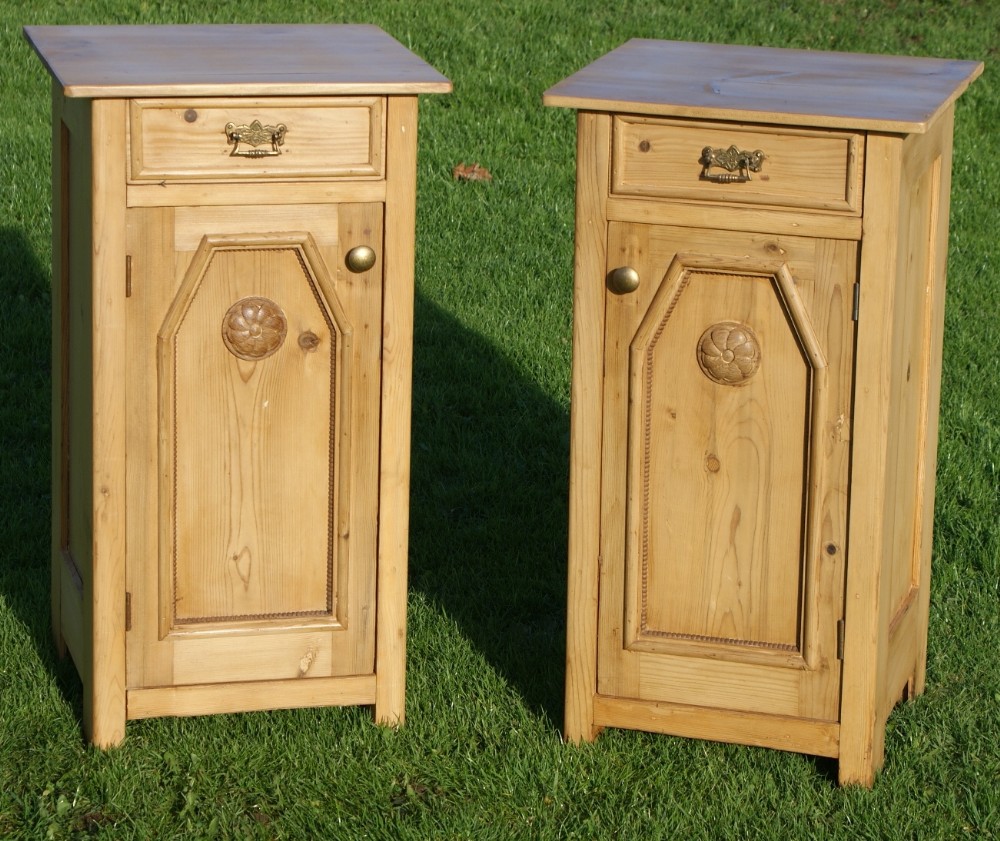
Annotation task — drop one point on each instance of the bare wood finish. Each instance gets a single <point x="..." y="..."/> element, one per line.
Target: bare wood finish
<point x="755" y="541"/>
<point x="592" y="176"/>
<point x="397" y="376"/>
<point x="804" y="88"/>
<point x="900" y="398"/>
<point x="724" y="510"/>
<point x="726" y="218"/>
<point x="187" y="141"/>
<point x="258" y="532"/>
<point x="94" y="62"/>
<point x="821" y="170"/>
<point x="273" y="195"/>
<point x="218" y="365"/>
<point x="61" y="191"/>
<point x="744" y="728"/>
<point x="104" y="611"/>
<point x="253" y="695"/>
<point x="250" y="516"/>
<point x="72" y="445"/>
<point x="88" y="572"/>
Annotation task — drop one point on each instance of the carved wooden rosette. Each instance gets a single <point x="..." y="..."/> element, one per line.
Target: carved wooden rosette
<point x="254" y="328"/>
<point x="729" y="353"/>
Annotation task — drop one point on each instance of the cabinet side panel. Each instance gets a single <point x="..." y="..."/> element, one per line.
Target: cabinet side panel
<point x="911" y="323"/>
<point x="917" y="369"/>
<point x="593" y="156"/>
<point x="72" y="358"/>
<point x="397" y="377"/>
<point x="897" y="393"/>
<point x="60" y="361"/>
<point x="937" y="265"/>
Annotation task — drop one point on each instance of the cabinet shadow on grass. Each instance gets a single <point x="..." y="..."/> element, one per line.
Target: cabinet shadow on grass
<point x="488" y="519"/>
<point x="25" y="424"/>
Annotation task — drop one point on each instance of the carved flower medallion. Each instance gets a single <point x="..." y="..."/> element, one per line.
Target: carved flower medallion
<point x="254" y="328"/>
<point x="729" y="353"/>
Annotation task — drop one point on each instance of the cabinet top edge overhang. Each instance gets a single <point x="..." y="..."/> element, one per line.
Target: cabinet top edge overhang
<point x="100" y="62"/>
<point x="862" y="92"/>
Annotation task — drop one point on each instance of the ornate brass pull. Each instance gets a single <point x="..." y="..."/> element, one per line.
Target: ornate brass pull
<point x="255" y="136"/>
<point x="731" y="159"/>
<point x="623" y="280"/>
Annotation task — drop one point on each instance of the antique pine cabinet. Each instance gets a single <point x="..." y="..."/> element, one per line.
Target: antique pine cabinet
<point x="233" y="214"/>
<point x="759" y="285"/>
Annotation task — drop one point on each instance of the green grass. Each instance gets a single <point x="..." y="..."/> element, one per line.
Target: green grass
<point x="481" y="756"/>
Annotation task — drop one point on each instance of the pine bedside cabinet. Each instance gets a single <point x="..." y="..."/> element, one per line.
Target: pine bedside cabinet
<point x="233" y="215"/>
<point x="759" y="286"/>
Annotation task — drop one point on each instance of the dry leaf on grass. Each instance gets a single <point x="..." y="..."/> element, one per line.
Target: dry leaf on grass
<point x="471" y="172"/>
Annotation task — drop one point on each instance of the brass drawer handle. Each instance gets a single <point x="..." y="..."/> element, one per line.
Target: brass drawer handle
<point x="255" y="136"/>
<point x="731" y="159"/>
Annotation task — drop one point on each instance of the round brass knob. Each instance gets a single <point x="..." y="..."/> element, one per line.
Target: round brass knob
<point x="360" y="259"/>
<point x="623" y="280"/>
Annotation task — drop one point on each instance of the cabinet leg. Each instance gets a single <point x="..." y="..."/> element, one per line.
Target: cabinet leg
<point x="860" y="759"/>
<point x="103" y="719"/>
<point x="578" y="724"/>
<point x="849" y="775"/>
<point x="390" y="706"/>
<point x="577" y="735"/>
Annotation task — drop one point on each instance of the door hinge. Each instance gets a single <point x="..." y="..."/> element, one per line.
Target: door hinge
<point x="857" y="302"/>
<point x="128" y="611"/>
<point x="128" y="275"/>
<point x="840" y="639"/>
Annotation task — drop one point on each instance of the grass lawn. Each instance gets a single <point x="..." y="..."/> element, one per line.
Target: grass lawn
<point x="481" y="756"/>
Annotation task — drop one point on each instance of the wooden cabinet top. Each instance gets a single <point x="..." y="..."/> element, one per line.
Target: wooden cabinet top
<point x="231" y="60"/>
<point x="766" y="84"/>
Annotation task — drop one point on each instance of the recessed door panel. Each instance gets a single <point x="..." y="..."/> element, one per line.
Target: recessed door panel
<point x="724" y="490"/>
<point x="252" y="377"/>
<point x="719" y="421"/>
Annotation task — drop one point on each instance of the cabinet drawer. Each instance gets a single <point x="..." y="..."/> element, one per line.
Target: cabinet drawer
<point x="807" y="169"/>
<point x="248" y="139"/>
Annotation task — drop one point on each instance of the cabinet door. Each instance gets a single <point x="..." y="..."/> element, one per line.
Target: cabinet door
<point x="252" y="451"/>
<point x="725" y="468"/>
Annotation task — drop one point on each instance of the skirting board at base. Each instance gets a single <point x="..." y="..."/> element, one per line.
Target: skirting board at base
<point x="250" y="696"/>
<point x="821" y="738"/>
